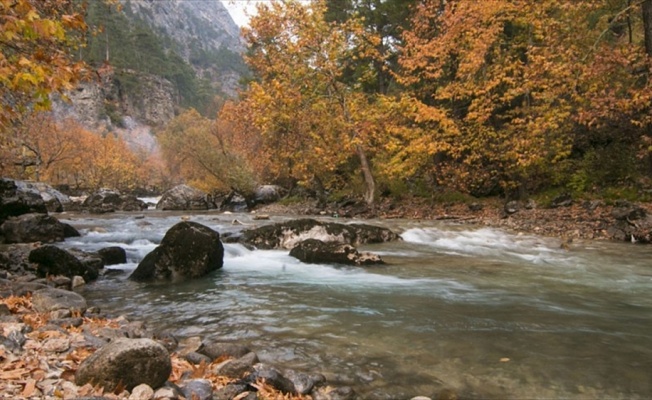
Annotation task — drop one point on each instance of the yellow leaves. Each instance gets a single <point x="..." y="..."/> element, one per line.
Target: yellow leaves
<point x="33" y="57"/>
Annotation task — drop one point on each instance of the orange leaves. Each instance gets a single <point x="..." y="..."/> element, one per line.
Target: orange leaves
<point x="504" y="83"/>
<point x="35" y="36"/>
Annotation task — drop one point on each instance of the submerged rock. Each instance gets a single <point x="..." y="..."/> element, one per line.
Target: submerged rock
<point x="286" y="235"/>
<point x="188" y="250"/>
<point x="315" y="251"/>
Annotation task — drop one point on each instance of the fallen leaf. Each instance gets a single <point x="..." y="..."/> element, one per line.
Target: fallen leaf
<point x="30" y="387"/>
<point x="14" y="374"/>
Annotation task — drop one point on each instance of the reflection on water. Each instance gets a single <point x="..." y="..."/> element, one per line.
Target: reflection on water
<point x="485" y="313"/>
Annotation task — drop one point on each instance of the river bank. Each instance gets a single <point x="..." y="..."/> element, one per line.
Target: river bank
<point x="589" y="220"/>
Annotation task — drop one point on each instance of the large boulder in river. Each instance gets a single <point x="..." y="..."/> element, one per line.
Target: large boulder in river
<point x="54" y="200"/>
<point x="184" y="197"/>
<point x="29" y="228"/>
<point x="126" y="363"/>
<point x="109" y="200"/>
<point x="188" y="250"/>
<point x="16" y="199"/>
<point x="52" y="260"/>
<point x="113" y="255"/>
<point x="315" y="251"/>
<point x="286" y="235"/>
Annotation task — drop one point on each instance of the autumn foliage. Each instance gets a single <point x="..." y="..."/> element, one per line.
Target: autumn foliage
<point x="493" y="97"/>
<point x="499" y="97"/>
<point x="65" y="153"/>
<point x="37" y="38"/>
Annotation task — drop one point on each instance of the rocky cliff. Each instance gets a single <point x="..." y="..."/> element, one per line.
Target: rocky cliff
<point x="202" y="33"/>
<point x="152" y="57"/>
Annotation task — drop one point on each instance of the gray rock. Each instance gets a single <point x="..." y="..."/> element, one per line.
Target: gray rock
<point x="303" y="383"/>
<point x="54" y="200"/>
<point x="563" y="200"/>
<point x="109" y="200"/>
<point x="631" y="213"/>
<point x="196" y="358"/>
<point x="272" y="377"/>
<point x="512" y="207"/>
<point x="315" y="251"/>
<point x="331" y="393"/>
<point x="188" y="250"/>
<point x="230" y="391"/>
<point x="53" y="260"/>
<point x="184" y="197"/>
<point x="286" y="235"/>
<point x="113" y="255"/>
<point x="198" y="389"/>
<point x="50" y="299"/>
<point x="29" y="228"/>
<point x="128" y="362"/>
<point x="216" y="350"/>
<point x="15" y="200"/>
<point x="238" y="367"/>
<point x="265" y="194"/>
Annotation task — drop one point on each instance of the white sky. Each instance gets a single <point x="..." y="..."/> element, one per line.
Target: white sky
<point x="241" y="9"/>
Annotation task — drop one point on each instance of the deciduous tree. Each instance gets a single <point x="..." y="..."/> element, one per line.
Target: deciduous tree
<point x="36" y="37"/>
<point x="311" y="118"/>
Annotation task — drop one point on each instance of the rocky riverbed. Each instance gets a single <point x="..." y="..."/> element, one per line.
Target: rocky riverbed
<point x="74" y="352"/>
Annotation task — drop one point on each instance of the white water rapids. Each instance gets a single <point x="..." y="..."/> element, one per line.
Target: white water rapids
<point x="482" y="312"/>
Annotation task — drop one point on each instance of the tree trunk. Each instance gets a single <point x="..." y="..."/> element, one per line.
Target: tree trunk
<point x="370" y="194"/>
<point x="647" y="23"/>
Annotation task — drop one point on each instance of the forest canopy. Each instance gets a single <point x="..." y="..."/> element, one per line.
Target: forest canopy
<point x="389" y="97"/>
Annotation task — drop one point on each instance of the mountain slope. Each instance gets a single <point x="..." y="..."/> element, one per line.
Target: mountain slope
<point x="154" y="57"/>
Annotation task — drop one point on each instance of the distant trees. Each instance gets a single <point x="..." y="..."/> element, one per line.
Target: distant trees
<point x="63" y="152"/>
<point x="199" y="151"/>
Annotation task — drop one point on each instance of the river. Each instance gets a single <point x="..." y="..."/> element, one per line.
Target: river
<point x="482" y="312"/>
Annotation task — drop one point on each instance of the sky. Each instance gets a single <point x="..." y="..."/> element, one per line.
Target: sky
<point x="240" y="8"/>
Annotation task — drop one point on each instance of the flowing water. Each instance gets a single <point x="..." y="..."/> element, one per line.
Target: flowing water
<point x="479" y="311"/>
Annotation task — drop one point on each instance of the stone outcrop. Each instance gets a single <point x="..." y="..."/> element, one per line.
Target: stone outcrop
<point x="315" y="251"/>
<point x="126" y="362"/>
<point x="188" y="250"/>
<point x="184" y="197"/>
<point x="54" y="200"/>
<point x="52" y="260"/>
<point x="17" y="199"/>
<point x="113" y="255"/>
<point x="109" y="200"/>
<point x="196" y="28"/>
<point x="286" y="235"/>
<point x="50" y="299"/>
<point x="29" y="228"/>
